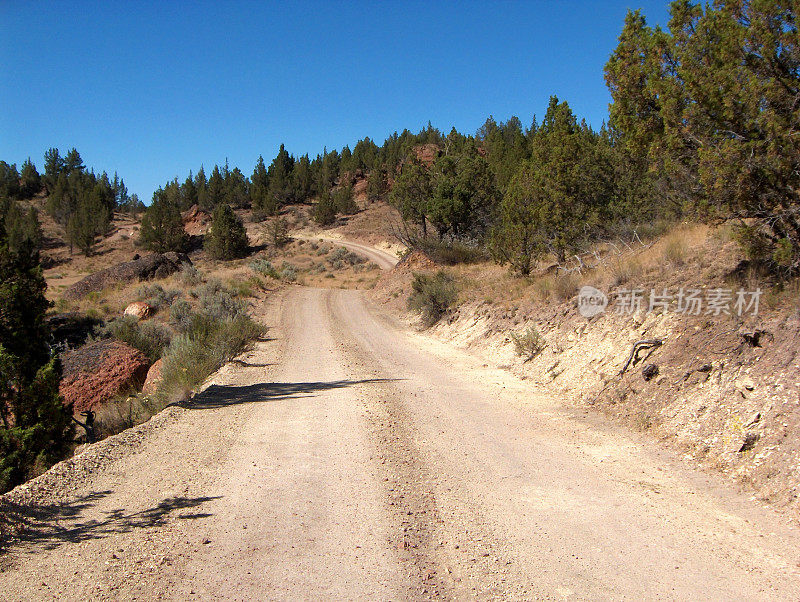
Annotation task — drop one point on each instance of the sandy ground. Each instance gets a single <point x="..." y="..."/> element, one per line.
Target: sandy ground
<point x="349" y="458"/>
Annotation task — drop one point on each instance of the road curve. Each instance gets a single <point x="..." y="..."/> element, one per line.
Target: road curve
<point x="346" y="458"/>
<point x="384" y="260"/>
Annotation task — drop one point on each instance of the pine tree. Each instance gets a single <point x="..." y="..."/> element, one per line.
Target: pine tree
<point x="302" y="180"/>
<point x="30" y="181"/>
<point x="259" y="187"/>
<point x="280" y="188"/>
<point x="376" y="184"/>
<point x="201" y="184"/>
<point x="9" y="180"/>
<point x="227" y="238"/>
<point x="53" y="166"/>
<point x="216" y="190"/>
<point x="463" y="195"/>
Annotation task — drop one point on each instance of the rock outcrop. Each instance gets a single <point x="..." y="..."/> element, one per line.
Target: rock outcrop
<point x="97" y="372"/>
<point x="157" y="265"/>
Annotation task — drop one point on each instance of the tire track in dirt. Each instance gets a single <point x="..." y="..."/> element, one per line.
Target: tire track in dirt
<point x="441" y="568"/>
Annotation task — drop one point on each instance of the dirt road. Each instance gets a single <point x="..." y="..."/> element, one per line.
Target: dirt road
<point x="347" y="458"/>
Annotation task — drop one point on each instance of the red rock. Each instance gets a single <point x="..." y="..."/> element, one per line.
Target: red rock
<point x="153" y="379"/>
<point x="96" y="373"/>
<point x="139" y="310"/>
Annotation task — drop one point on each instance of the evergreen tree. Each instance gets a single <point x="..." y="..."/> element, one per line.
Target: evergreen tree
<point x="201" y="184"/>
<point x="189" y="192"/>
<point x="89" y="220"/>
<point x="325" y="209"/>
<point x="30" y="181"/>
<point x="35" y="427"/>
<point x="343" y="200"/>
<point x="280" y="188"/>
<point x="411" y="194"/>
<point x="463" y="196"/>
<point x="237" y="193"/>
<point x="376" y="184"/>
<point x="302" y="180"/>
<point x="162" y="226"/>
<point x="259" y="187"/>
<point x="9" y="180"/>
<point x="73" y="162"/>
<point x="216" y="190"/>
<point x="227" y="238"/>
<point x="555" y="201"/>
<point x="53" y="166"/>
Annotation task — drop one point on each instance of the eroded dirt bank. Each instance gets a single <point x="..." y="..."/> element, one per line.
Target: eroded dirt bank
<point x="348" y="458"/>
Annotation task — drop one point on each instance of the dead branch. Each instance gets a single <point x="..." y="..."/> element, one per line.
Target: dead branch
<point x="637" y="347"/>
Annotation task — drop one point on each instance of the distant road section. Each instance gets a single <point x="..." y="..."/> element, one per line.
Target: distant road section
<point x="384" y="260"/>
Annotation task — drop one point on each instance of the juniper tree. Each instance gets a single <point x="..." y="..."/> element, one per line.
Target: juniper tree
<point x="227" y="238"/>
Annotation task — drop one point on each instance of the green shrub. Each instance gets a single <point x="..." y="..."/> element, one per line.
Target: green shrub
<point x="148" y="337"/>
<point x="189" y="275"/>
<point x="529" y="343"/>
<point x="155" y="295"/>
<point x="288" y="272"/>
<point x="219" y="302"/>
<point x="181" y="315"/>
<point x="265" y="268"/>
<point x="192" y="356"/>
<point x="432" y="295"/>
<point x="451" y="252"/>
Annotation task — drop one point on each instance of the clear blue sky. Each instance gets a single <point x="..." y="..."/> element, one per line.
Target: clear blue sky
<point x="152" y="90"/>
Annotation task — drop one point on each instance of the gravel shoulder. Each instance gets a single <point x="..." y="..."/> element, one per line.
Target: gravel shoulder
<point x="347" y="457"/>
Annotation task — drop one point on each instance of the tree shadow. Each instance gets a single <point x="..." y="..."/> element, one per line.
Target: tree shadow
<point x="47" y="526"/>
<point x="245" y="364"/>
<point x="218" y="396"/>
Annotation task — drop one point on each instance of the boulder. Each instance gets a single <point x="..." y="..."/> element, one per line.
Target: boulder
<point x="153" y="379"/>
<point x="139" y="310"/>
<point x="156" y="265"/>
<point x="99" y="371"/>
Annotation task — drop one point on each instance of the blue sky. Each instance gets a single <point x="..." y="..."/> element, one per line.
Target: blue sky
<point x="152" y="90"/>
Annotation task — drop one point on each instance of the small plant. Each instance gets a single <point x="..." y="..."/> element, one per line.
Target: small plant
<point x="192" y="356"/>
<point x="278" y="232"/>
<point x="675" y="252"/>
<point x="565" y="287"/>
<point x="155" y="295"/>
<point x="189" y="275"/>
<point x="148" y="337"/>
<point x="288" y="272"/>
<point x="529" y="343"/>
<point x="432" y="295"/>
<point x="265" y="268"/>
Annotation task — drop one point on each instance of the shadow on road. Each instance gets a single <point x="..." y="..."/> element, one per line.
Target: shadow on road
<point x="50" y="525"/>
<point x="218" y="396"/>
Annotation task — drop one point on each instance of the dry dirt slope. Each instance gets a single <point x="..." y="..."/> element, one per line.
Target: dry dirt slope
<point x="347" y="458"/>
